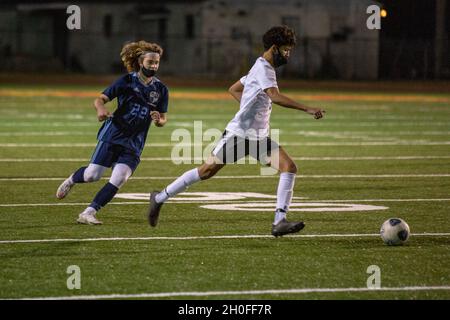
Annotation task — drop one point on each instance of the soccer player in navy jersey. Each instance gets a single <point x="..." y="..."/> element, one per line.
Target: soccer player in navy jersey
<point x="142" y="99"/>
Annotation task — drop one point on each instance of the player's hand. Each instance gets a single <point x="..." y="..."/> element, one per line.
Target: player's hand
<point x="316" y="112"/>
<point x="155" y="116"/>
<point x="103" y="114"/>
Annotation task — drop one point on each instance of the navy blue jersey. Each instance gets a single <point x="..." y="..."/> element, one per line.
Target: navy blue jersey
<point x="131" y="120"/>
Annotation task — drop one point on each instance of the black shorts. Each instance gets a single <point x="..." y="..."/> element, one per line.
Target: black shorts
<point x="232" y="148"/>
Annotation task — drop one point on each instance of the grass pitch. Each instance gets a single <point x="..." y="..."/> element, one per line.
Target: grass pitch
<point x="389" y="151"/>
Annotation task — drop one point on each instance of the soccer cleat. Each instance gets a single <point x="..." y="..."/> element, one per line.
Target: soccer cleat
<point x="285" y="227"/>
<point x="64" y="188"/>
<point x="153" y="210"/>
<point x="88" y="218"/>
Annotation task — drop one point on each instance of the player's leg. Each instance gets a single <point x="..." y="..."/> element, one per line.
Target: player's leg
<point x="212" y="165"/>
<point x="223" y="153"/>
<point x="99" y="163"/>
<point x="93" y="172"/>
<point x="282" y="162"/>
<point x="120" y="174"/>
<point x="204" y="172"/>
<point x="288" y="171"/>
<point x="105" y="156"/>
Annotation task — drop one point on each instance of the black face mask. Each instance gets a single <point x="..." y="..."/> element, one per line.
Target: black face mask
<point x="148" y="72"/>
<point x="279" y="59"/>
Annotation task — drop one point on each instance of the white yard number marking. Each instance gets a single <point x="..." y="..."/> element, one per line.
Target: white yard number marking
<point x="299" y="206"/>
<point x="252" y="201"/>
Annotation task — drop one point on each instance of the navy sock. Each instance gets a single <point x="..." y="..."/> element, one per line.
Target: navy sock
<point x="104" y="196"/>
<point x="78" y="176"/>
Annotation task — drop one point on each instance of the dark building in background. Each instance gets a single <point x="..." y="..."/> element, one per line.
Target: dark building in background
<point x="414" y="41"/>
<point x="222" y="38"/>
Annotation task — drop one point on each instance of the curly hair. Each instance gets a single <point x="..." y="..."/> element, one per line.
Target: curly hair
<point x="132" y="53"/>
<point x="279" y="36"/>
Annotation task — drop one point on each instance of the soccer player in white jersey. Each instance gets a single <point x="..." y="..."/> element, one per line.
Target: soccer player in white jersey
<point x="247" y="133"/>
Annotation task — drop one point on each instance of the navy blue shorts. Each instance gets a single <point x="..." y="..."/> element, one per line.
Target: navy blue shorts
<point x="106" y="154"/>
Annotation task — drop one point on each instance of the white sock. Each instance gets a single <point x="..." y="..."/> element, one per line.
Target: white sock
<point x="179" y="185"/>
<point x="279" y="215"/>
<point x="70" y="179"/>
<point x="89" y="210"/>
<point x="284" y="193"/>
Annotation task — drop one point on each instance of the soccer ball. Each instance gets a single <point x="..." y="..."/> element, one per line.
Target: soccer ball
<point x="394" y="232"/>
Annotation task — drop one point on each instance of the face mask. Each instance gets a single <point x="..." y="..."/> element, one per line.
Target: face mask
<point x="279" y="59"/>
<point x="148" y="72"/>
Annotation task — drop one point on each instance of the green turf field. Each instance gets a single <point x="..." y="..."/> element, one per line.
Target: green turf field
<point x="382" y="152"/>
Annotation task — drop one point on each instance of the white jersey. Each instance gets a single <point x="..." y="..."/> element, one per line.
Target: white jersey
<point x="252" y="119"/>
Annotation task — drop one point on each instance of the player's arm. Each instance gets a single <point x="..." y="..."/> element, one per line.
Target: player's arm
<point x="99" y="104"/>
<point x="236" y="90"/>
<point x="280" y="99"/>
<point x="160" y="119"/>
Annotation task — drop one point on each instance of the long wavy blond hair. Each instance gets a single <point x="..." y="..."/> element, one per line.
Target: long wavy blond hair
<point x="132" y="53"/>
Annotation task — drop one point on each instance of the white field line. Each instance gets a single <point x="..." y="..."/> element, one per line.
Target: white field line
<point x="349" y="134"/>
<point x="68" y="204"/>
<point x="243" y="292"/>
<point x="48" y="124"/>
<point x="377" y="133"/>
<point x="340" y="124"/>
<point x="44" y="134"/>
<point x="384" y="116"/>
<point x="254" y="236"/>
<point x="142" y="202"/>
<point x="63" y="134"/>
<point x="46" y="145"/>
<point x="348" y="122"/>
<point x="226" y="117"/>
<point x="314" y="144"/>
<point x="341" y="135"/>
<point x="190" y="160"/>
<point x="337" y="176"/>
<point x="7" y="205"/>
<point x="369" y="143"/>
<point x="42" y="115"/>
<point x="277" y="117"/>
<point x="383" y="200"/>
<point x="369" y="158"/>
